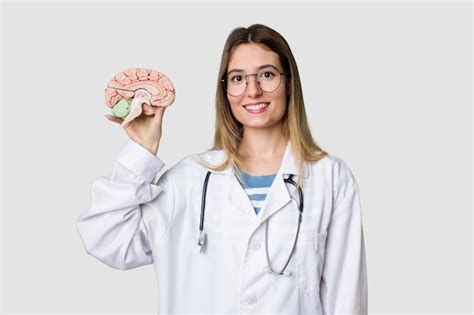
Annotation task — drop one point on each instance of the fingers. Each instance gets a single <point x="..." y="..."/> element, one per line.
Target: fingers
<point x="152" y="110"/>
<point x="156" y="111"/>
<point x="114" y="119"/>
<point x="147" y="110"/>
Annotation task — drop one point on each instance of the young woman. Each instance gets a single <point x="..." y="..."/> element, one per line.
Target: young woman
<point x="264" y="222"/>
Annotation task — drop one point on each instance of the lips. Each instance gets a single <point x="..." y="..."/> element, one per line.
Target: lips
<point x="256" y="108"/>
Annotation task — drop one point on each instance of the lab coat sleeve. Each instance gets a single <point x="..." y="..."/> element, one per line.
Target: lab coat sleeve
<point x="344" y="279"/>
<point x="113" y="229"/>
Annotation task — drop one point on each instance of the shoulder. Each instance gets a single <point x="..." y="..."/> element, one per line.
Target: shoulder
<point x="196" y="160"/>
<point x="194" y="164"/>
<point x="335" y="170"/>
<point x="340" y="168"/>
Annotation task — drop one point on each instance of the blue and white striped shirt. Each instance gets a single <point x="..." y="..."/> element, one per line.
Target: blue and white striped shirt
<point x="257" y="188"/>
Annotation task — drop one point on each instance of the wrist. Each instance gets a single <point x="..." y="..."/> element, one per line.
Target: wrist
<point x="152" y="147"/>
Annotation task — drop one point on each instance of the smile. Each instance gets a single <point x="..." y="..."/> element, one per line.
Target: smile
<point x="257" y="108"/>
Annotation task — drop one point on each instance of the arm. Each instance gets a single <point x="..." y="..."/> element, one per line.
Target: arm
<point x="114" y="229"/>
<point x="344" y="280"/>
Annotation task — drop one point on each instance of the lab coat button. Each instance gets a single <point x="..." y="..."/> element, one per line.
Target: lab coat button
<point x="252" y="299"/>
<point x="255" y="245"/>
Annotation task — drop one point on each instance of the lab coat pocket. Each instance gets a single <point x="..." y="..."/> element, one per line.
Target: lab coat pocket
<point x="310" y="258"/>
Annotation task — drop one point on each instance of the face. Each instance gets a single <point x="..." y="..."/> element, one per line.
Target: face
<point x="250" y="59"/>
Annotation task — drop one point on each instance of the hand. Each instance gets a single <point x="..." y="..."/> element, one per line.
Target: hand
<point x="146" y="128"/>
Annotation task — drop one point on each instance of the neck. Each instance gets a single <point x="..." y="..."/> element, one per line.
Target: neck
<point x="264" y="143"/>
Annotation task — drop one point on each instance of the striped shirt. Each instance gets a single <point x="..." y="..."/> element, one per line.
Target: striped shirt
<point x="257" y="188"/>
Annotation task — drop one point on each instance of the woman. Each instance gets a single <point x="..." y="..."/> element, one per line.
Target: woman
<point x="261" y="244"/>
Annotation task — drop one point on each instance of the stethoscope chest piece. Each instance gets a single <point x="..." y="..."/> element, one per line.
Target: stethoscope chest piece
<point x="202" y="241"/>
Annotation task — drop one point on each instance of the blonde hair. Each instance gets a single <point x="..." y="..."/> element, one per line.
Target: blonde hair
<point x="228" y="130"/>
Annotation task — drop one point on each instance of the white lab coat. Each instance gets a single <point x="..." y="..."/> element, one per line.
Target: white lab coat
<point x="136" y="219"/>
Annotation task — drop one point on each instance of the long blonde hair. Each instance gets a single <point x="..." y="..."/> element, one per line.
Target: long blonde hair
<point x="228" y="130"/>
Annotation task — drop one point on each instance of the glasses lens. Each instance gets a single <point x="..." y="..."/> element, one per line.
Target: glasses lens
<point x="269" y="80"/>
<point x="236" y="84"/>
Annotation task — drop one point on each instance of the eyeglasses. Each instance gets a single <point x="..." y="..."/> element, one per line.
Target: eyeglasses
<point x="236" y="82"/>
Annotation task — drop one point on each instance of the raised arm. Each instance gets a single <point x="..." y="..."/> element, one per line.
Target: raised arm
<point x="128" y="213"/>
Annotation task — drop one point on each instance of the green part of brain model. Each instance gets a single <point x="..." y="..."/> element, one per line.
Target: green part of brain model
<point x="122" y="108"/>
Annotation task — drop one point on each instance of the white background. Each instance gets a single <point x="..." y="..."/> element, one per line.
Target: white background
<point x="387" y="88"/>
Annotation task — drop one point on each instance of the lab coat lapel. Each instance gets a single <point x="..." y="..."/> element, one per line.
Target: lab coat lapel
<point x="236" y="195"/>
<point x="279" y="194"/>
<point x="277" y="198"/>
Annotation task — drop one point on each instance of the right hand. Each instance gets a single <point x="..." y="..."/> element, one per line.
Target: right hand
<point x="146" y="128"/>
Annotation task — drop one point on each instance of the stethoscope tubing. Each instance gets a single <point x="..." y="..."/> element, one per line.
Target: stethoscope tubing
<point x="300" y="218"/>
<point x="202" y="234"/>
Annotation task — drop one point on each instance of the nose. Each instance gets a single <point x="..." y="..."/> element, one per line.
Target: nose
<point x="253" y="88"/>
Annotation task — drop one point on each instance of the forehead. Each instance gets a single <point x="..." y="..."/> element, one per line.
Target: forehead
<point x="249" y="57"/>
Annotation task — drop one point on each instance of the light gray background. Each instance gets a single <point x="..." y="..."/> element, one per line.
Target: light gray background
<point x="387" y="89"/>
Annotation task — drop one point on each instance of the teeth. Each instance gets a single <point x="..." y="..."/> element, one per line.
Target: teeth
<point x="257" y="106"/>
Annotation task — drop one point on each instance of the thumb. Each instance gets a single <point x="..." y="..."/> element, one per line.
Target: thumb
<point x="157" y="118"/>
<point x="159" y="112"/>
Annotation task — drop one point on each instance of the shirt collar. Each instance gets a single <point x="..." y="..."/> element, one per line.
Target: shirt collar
<point x="288" y="165"/>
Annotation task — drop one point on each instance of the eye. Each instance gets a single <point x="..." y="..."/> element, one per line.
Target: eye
<point x="267" y="74"/>
<point x="236" y="78"/>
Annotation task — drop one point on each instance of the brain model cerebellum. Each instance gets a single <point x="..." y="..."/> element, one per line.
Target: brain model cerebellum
<point x="130" y="89"/>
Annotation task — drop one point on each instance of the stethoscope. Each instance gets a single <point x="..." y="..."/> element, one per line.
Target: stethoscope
<point x="269" y="269"/>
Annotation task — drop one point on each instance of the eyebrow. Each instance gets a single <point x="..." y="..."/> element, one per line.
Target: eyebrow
<point x="261" y="67"/>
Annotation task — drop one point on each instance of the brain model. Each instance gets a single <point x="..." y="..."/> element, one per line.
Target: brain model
<point x="130" y="89"/>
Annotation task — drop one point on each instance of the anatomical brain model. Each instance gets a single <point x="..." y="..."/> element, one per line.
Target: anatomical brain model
<point x="130" y="89"/>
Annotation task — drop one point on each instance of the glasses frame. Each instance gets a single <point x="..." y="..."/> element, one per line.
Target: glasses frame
<point x="246" y="82"/>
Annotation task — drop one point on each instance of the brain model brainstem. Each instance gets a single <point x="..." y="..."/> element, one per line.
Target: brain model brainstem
<point x="130" y="89"/>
